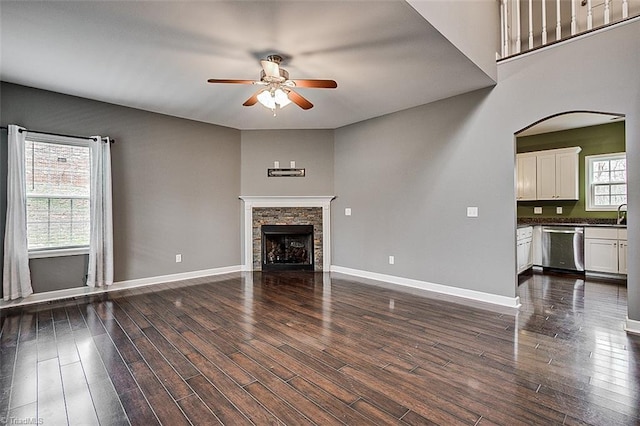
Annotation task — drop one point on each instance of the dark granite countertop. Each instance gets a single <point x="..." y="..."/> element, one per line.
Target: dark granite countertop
<point x="568" y="221"/>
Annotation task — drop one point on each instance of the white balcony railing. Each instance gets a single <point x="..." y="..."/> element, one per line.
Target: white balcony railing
<point x="528" y="24"/>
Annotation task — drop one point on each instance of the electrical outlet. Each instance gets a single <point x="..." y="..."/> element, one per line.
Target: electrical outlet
<point x="558" y="210"/>
<point x="276" y="164"/>
<point x="292" y="164"/>
<point x="472" y="212"/>
<point x="347" y="211"/>
<point x="537" y="210"/>
<point x="178" y="258"/>
<point x="392" y="260"/>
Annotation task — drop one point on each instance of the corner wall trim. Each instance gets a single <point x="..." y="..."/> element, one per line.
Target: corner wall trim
<point x="478" y="296"/>
<point x="632" y="326"/>
<point x="51" y="296"/>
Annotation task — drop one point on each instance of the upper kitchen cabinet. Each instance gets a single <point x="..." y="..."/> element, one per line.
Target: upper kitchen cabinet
<point x="526" y="176"/>
<point x="548" y="175"/>
<point x="557" y="174"/>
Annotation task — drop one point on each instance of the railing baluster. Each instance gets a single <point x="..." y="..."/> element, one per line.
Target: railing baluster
<point x="558" y="21"/>
<point x="530" y="24"/>
<point x="574" y="28"/>
<point x="518" y="28"/>
<point x="502" y="28"/>
<point x="512" y="29"/>
<point x="504" y="36"/>
<point x="544" y="22"/>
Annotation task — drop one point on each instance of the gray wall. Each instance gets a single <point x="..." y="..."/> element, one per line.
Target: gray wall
<point x="409" y="176"/>
<point x="175" y="185"/>
<point x="310" y="149"/>
<point x="470" y="25"/>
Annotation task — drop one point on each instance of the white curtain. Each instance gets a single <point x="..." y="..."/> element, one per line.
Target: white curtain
<point x="16" y="281"/>
<point x="100" y="271"/>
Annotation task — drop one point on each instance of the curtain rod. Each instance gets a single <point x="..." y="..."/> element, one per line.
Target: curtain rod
<point x="57" y="134"/>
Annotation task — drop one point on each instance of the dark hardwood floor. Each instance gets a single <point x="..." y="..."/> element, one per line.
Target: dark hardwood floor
<point x="288" y="348"/>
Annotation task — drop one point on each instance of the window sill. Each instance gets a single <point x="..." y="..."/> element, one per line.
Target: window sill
<point x="601" y="209"/>
<point x="40" y="254"/>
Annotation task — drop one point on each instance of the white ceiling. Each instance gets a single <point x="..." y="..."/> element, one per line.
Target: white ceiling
<point x="157" y="56"/>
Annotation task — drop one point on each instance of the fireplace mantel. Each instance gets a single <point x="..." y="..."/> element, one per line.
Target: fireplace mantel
<point x="251" y="202"/>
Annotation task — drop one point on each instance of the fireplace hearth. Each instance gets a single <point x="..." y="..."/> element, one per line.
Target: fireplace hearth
<point x="287" y="247"/>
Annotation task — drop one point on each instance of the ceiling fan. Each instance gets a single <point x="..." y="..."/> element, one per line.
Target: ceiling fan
<point x="278" y="88"/>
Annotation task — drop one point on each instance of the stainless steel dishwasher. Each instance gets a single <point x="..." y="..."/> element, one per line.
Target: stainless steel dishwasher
<point x="563" y="247"/>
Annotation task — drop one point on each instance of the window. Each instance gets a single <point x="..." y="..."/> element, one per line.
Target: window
<point x="606" y="181"/>
<point x="57" y="173"/>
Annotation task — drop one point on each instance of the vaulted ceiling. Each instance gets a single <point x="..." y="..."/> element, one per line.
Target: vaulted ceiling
<point x="157" y="56"/>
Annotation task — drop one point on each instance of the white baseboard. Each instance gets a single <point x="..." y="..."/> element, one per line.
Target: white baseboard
<point x="632" y="326"/>
<point x="478" y="296"/>
<point x="50" y="296"/>
<point x="141" y="282"/>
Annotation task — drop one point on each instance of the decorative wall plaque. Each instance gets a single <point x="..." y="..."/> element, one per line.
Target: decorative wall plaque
<point x="285" y="172"/>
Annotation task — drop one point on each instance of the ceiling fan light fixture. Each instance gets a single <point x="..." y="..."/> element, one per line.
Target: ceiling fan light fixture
<point x="281" y="98"/>
<point x="272" y="98"/>
<point x="266" y="99"/>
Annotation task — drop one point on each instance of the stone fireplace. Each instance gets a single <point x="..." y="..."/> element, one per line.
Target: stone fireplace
<point x="308" y="214"/>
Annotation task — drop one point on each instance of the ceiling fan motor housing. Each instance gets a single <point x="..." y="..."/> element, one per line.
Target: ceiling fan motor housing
<point x="284" y="76"/>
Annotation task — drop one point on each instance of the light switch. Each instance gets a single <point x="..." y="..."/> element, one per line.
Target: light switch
<point x="276" y="164"/>
<point x="293" y="164"/>
<point x="558" y="210"/>
<point x="537" y="210"/>
<point x="392" y="260"/>
<point x="472" y="212"/>
<point x="347" y="211"/>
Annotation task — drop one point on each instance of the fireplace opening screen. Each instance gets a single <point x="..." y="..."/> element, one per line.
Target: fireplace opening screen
<point x="287" y="247"/>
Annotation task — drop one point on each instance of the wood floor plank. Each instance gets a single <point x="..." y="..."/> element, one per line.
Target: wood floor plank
<point x="216" y="402"/>
<point x="79" y="406"/>
<point x="265" y="376"/>
<point x="51" y="401"/>
<point x="165" y="373"/>
<point x="197" y="412"/>
<point x="24" y="390"/>
<point x="308" y="348"/>
<point x="232" y="391"/>
<point x="165" y="407"/>
<point x="285" y="412"/>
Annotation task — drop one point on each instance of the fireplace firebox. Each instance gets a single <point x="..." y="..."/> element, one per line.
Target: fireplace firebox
<point x="287" y="247"/>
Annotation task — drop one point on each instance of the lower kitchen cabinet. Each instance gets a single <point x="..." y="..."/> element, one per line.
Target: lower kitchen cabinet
<point x="524" y="251"/>
<point x="622" y="251"/>
<point x="605" y="251"/>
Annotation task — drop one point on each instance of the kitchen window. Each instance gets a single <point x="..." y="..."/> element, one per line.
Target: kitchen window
<point x="606" y="181"/>
<point x="57" y="174"/>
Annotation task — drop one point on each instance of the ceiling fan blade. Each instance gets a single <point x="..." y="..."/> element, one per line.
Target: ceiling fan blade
<point x="271" y="69"/>
<point x="299" y="100"/>
<point x="219" y="80"/>
<point x="253" y="99"/>
<point x="320" y="84"/>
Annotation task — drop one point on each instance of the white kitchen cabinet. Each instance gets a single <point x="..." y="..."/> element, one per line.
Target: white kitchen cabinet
<point x="526" y="176"/>
<point x="557" y="174"/>
<point x="536" y="246"/>
<point x="622" y="257"/>
<point x="601" y="255"/>
<point x="622" y="250"/>
<point x="524" y="252"/>
<point x="605" y="251"/>
<point x="546" y="176"/>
